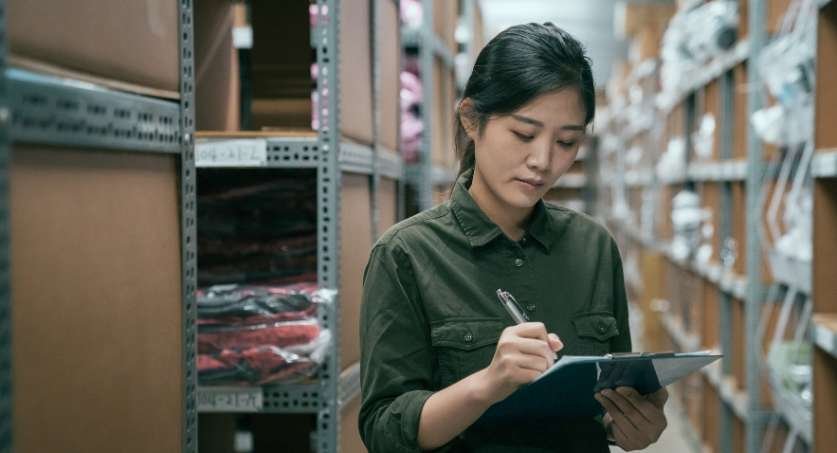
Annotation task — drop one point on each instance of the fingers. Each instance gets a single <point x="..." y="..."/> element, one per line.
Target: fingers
<point x="638" y="419"/>
<point x="531" y="362"/>
<point x="626" y="422"/>
<point x="536" y="347"/>
<point x="641" y="405"/>
<point x="536" y="330"/>
<point x="555" y="343"/>
<point x="622" y="439"/>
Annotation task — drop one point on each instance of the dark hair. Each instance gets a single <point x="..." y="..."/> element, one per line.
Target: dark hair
<point x="519" y="64"/>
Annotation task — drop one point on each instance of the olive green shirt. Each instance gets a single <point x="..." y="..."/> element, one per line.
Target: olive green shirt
<point x="430" y="315"/>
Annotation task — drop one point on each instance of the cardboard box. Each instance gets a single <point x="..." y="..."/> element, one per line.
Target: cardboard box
<point x="350" y="441"/>
<point x="825" y="134"/>
<point x="281" y="67"/>
<point x="645" y="45"/>
<point x="387" y="204"/>
<point x="356" y="233"/>
<point x="639" y="16"/>
<point x="134" y="41"/>
<point x="217" y="87"/>
<point x="356" y="72"/>
<point x="96" y="280"/>
<point x="443" y="106"/>
<point x="477" y="32"/>
<point x="445" y="18"/>
<point x="389" y="102"/>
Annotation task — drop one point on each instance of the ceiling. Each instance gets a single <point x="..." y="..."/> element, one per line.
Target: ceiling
<point x="589" y="21"/>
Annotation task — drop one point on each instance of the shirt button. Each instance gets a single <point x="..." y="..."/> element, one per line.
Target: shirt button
<point x="531" y="307"/>
<point x="468" y="338"/>
<point x="602" y="328"/>
<point x="518" y="262"/>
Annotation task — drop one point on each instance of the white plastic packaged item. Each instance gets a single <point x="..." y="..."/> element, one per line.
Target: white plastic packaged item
<point x="712" y="29"/>
<point x="672" y="165"/>
<point x="704" y="137"/>
<point x="784" y="126"/>
<point x="797" y="241"/>
<point x="687" y="217"/>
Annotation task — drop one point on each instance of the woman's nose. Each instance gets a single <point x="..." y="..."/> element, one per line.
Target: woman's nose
<point x="538" y="158"/>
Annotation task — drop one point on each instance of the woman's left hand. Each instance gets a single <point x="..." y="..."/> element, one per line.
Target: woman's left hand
<point x="633" y="421"/>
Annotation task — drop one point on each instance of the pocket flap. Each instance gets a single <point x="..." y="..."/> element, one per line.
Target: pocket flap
<point x="466" y="334"/>
<point x="601" y="326"/>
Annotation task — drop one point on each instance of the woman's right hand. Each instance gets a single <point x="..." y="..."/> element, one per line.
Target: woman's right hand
<point x="524" y="351"/>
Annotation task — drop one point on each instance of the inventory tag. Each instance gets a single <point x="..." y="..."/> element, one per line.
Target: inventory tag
<point x="231" y="153"/>
<point x="230" y="399"/>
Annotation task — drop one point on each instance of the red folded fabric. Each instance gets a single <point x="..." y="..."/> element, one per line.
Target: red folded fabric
<point x="241" y="338"/>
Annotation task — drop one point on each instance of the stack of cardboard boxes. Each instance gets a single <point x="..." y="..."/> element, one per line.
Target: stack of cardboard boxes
<point x="96" y="241"/>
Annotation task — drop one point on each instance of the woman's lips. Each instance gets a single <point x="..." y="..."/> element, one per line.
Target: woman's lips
<point x="530" y="184"/>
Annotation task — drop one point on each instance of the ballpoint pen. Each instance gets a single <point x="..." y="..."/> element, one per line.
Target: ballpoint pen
<point x="513" y="308"/>
<point x="510" y="304"/>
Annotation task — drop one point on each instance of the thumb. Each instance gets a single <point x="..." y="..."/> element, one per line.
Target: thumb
<point x="659" y="397"/>
<point x="555" y="343"/>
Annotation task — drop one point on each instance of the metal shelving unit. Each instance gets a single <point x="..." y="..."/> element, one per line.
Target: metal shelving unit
<point x="423" y="176"/>
<point x="726" y="176"/>
<point x="331" y="156"/>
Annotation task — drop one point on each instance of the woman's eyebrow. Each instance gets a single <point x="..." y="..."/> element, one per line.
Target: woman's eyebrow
<point x="534" y="122"/>
<point x="526" y="119"/>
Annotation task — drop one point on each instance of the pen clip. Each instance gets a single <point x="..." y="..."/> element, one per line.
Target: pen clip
<point x="511" y="303"/>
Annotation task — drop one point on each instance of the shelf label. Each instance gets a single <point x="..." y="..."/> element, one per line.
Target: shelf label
<point x="226" y="153"/>
<point x="230" y="399"/>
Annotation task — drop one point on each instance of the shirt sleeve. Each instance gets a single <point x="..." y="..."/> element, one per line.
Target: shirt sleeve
<point x="396" y="355"/>
<point x="621" y="342"/>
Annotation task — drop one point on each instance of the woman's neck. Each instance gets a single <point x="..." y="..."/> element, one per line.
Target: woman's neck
<point x="511" y="220"/>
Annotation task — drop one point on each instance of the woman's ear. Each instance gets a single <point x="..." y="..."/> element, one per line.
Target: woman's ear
<point x="467" y="118"/>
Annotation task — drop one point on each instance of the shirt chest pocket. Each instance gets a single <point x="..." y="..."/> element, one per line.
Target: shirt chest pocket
<point x="463" y="347"/>
<point x="594" y="332"/>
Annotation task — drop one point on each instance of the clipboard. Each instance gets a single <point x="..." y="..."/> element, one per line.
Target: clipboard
<point x="567" y="388"/>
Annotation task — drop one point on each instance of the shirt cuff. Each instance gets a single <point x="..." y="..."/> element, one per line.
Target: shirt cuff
<point x="411" y="415"/>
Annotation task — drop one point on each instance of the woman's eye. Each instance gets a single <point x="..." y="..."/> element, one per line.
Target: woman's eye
<point x="523" y="137"/>
<point x="566" y="144"/>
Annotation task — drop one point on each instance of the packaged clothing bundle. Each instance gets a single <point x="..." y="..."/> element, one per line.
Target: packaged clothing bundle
<point x="256" y="227"/>
<point x="260" y="334"/>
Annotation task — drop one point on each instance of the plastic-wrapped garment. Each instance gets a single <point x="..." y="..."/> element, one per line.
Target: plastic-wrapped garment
<point x="232" y="303"/>
<point x="215" y="338"/>
<point x="257" y="365"/>
<point x="262" y="364"/>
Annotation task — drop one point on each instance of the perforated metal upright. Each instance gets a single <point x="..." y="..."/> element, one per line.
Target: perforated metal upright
<point x="188" y="220"/>
<point x="727" y="93"/>
<point x="328" y="219"/>
<point x="424" y="177"/>
<point x="5" y="303"/>
<point x="755" y="291"/>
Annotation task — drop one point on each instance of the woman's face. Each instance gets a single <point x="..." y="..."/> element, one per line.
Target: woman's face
<point x="520" y="156"/>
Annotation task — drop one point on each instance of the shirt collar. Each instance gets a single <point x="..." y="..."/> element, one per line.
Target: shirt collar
<point x="480" y="230"/>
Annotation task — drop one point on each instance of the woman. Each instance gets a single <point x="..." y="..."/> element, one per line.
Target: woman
<point x="437" y="347"/>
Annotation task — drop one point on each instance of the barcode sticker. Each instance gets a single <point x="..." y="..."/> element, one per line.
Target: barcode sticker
<point x="230" y="399"/>
<point x="223" y="153"/>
